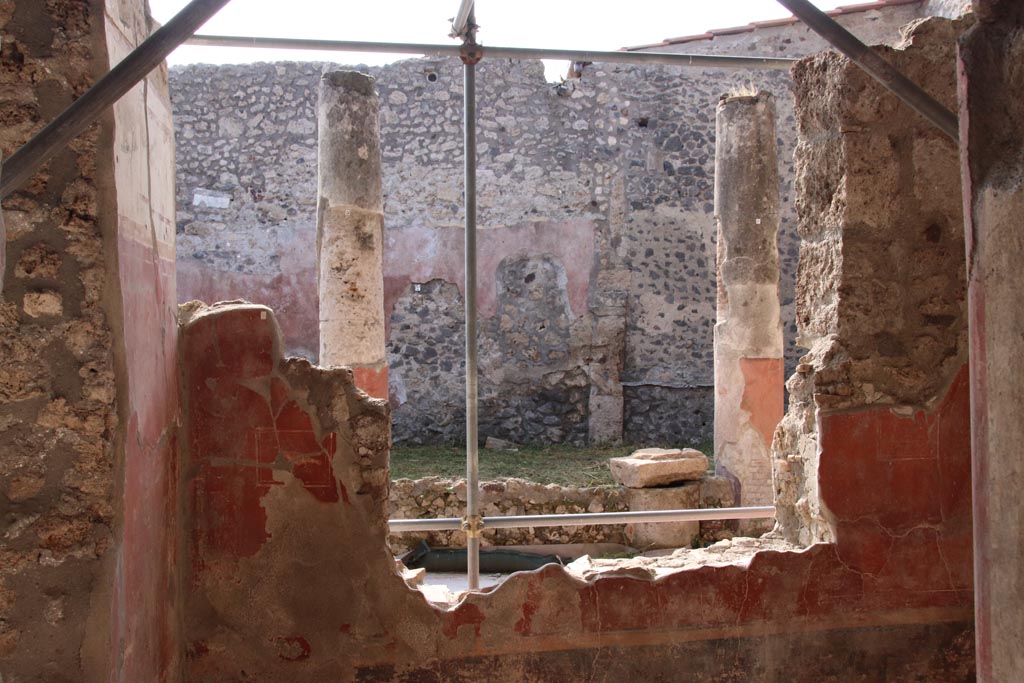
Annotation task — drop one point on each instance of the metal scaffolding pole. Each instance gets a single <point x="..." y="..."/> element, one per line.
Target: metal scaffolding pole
<point x="71" y="122"/>
<point x="876" y="67"/>
<point x="664" y="58"/>
<point x="463" y="26"/>
<point x="585" y="519"/>
<point x="472" y="523"/>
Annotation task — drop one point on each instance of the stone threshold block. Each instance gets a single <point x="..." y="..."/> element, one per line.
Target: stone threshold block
<point x="651" y="467"/>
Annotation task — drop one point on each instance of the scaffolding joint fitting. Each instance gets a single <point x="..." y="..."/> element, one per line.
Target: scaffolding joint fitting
<point x="471" y="53"/>
<point x="473" y="525"/>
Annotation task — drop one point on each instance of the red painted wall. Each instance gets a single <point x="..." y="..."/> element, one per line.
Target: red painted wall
<point x="144" y="625"/>
<point x="145" y="633"/>
<point x="292" y="295"/>
<point x="893" y="595"/>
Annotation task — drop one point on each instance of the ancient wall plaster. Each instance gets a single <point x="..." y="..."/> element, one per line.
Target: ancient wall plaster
<point x="880" y="288"/>
<point x="87" y="386"/>
<point x="290" y="576"/>
<point x="991" y="71"/>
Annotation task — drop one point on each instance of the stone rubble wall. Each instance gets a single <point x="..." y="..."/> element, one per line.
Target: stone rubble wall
<point x="881" y="285"/>
<point x="58" y="397"/>
<point x="595" y="208"/>
<point x="88" y="404"/>
<point x="440" y="497"/>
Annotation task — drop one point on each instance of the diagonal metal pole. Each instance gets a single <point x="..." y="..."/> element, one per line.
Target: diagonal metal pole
<point x="876" y="67"/>
<point x="463" y="25"/>
<point x="74" y="120"/>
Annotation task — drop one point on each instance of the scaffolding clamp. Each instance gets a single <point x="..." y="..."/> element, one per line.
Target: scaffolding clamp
<point x="473" y="525"/>
<point x="471" y="53"/>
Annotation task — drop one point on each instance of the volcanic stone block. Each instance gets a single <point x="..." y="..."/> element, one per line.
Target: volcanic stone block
<point x="663" y="534"/>
<point x="649" y="467"/>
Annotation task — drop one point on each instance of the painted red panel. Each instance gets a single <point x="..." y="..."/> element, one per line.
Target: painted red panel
<point x="243" y="430"/>
<point x="374" y="381"/>
<point x="144" y="620"/>
<point x="763" y="393"/>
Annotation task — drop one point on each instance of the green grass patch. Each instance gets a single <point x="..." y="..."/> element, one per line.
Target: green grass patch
<point x="556" y="464"/>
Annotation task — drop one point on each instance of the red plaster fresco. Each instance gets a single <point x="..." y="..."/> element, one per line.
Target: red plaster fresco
<point x="763" y="382"/>
<point x="143" y="620"/>
<point x="899" y="472"/>
<point x="242" y="430"/>
<point x="899" y="489"/>
<point x="466" y="614"/>
<point x="528" y="609"/>
<point x="372" y="380"/>
<point x="896" y="485"/>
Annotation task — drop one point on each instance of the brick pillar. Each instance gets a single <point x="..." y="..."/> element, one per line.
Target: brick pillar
<point x="748" y="334"/>
<point x="350" y="230"/>
<point x="992" y="158"/>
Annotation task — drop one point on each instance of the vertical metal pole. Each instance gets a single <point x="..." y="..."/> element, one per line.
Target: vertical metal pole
<point x="472" y="455"/>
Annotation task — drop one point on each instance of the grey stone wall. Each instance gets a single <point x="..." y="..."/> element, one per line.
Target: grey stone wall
<point x="615" y="168"/>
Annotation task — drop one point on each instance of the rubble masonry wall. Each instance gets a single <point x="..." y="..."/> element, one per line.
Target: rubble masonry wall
<point x="595" y="213"/>
<point x="881" y="285"/>
<point x="87" y="389"/>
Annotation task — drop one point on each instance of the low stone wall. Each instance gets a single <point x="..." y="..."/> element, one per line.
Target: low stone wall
<point x="440" y="497"/>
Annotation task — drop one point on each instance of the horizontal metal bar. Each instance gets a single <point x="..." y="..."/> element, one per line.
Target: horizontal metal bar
<point x="437" y="524"/>
<point x="586" y="519"/>
<point x="81" y="114"/>
<point x="872" y="63"/>
<point x="667" y="58"/>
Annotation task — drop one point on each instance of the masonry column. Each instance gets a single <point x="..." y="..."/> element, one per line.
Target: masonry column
<point x="350" y="230"/>
<point x="992" y="158"/>
<point x="748" y="334"/>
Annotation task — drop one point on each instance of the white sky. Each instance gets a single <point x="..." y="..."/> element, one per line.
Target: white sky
<point x="589" y="25"/>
